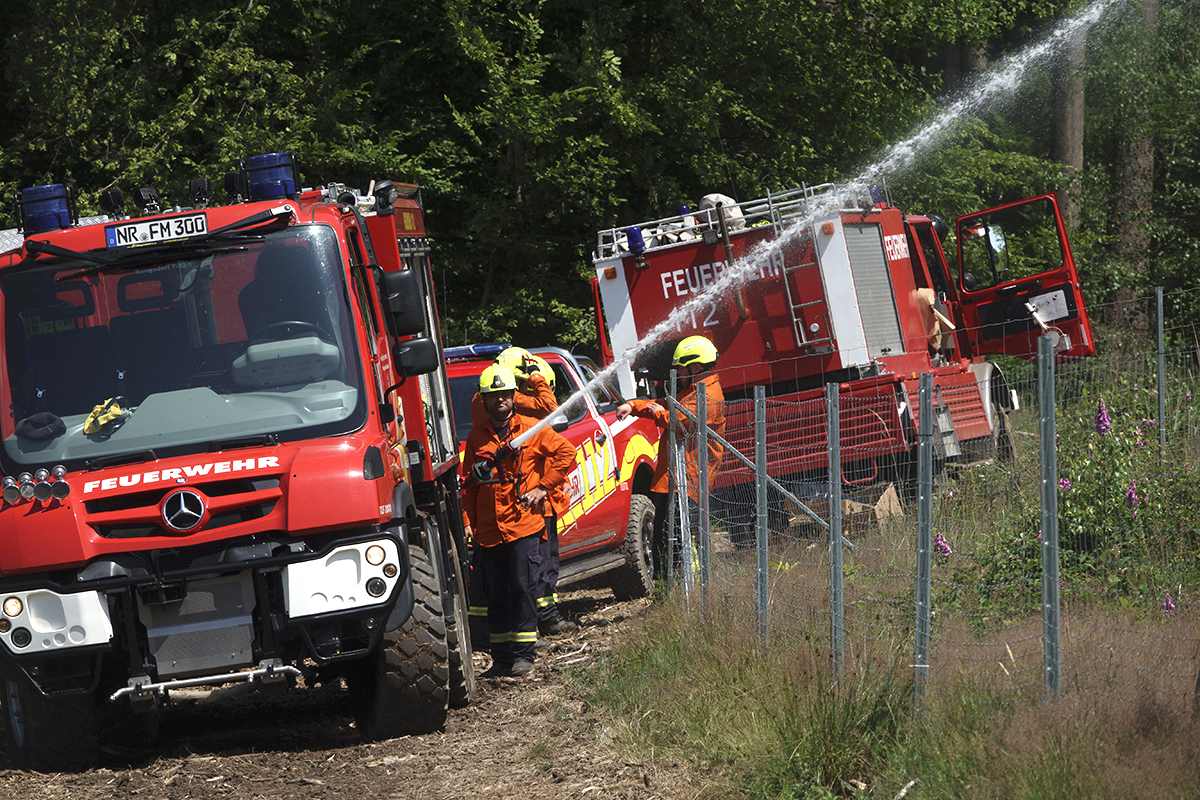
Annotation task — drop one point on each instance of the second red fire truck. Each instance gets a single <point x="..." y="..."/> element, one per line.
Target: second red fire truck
<point x="835" y="284"/>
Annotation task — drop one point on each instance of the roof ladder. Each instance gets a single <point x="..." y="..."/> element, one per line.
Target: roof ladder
<point x="796" y="305"/>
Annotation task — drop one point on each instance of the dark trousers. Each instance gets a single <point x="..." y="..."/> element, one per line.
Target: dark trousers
<point x="510" y="580"/>
<point x="547" y="598"/>
<point x="477" y="605"/>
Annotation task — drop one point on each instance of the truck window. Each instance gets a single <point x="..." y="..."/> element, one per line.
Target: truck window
<point x="462" y="390"/>
<point x="361" y="292"/>
<point x="565" y="386"/>
<point x="246" y="342"/>
<point x="605" y="392"/>
<point x="1008" y="244"/>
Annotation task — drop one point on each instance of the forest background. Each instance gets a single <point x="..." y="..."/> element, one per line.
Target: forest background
<point x="532" y="124"/>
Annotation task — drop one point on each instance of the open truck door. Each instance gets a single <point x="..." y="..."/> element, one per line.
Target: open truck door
<point x="1017" y="281"/>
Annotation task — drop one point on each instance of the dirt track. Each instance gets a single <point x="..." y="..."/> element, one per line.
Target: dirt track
<point x="527" y="739"/>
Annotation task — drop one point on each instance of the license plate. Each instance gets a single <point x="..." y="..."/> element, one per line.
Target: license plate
<point x="156" y="230"/>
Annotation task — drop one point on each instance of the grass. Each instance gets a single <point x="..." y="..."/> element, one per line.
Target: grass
<point x="772" y="719"/>
<point x="778" y="723"/>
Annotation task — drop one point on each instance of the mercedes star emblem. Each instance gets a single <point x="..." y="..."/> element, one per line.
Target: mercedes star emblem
<point x="183" y="510"/>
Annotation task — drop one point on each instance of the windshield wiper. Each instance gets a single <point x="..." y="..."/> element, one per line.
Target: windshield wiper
<point x="36" y="246"/>
<point x="272" y="215"/>
<point x="145" y="257"/>
<point x="243" y="230"/>
<point x="259" y="440"/>
<point x="137" y="457"/>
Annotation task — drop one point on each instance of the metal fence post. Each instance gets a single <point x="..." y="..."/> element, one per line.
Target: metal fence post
<point x="1049" y="458"/>
<point x="924" y="534"/>
<point x="761" y="574"/>
<point x="702" y="479"/>
<point x="837" y="620"/>
<point x="1162" y="378"/>
<point x="672" y="501"/>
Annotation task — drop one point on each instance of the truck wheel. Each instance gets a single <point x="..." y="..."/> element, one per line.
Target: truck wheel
<point x="458" y="635"/>
<point x="50" y="734"/>
<point x="635" y="578"/>
<point x="403" y="686"/>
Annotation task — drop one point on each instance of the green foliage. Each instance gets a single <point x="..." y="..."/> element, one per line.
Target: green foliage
<point x="834" y="734"/>
<point x="1125" y="507"/>
<point x="530" y="124"/>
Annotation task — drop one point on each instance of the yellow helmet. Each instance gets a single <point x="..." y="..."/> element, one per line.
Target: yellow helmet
<point x="544" y="369"/>
<point x="522" y="363"/>
<point x="513" y="357"/>
<point x="694" y="350"/>
<point x="497" y="379"/>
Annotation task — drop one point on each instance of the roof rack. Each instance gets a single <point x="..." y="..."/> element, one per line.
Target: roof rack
<point x="774" y="209"/>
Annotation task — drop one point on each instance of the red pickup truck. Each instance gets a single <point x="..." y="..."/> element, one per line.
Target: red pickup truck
<point x="607" y="529"/>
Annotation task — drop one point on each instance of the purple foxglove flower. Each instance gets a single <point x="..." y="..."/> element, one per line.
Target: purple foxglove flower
<point x="1103" y="422"/>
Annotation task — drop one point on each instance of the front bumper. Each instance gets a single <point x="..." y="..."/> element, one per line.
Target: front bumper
<point x="192" y="616"/>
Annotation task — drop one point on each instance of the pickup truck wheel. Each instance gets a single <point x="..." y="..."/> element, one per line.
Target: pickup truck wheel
<point x="635" y="578"/>
<point x="458" y="636"/>
<point x="50" y="734"/>
<point x="402" y="688"/>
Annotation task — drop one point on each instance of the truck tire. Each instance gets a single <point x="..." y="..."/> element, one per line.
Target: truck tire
<point x="50" y="734"/>
<point x="402" y="687"/>
<point x="458" y="635"/>
<point x="635" y="578"/>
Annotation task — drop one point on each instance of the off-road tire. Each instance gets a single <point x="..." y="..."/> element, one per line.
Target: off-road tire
<point x="402" y="688"/>
<point x="49" y="734"/>
<point x="635" y="578"/>
<point x="458" y="634"/>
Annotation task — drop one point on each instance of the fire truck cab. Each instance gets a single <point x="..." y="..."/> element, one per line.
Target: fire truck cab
<point x="228" y="456"/>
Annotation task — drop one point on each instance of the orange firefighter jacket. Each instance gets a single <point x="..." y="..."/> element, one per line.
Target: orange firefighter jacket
<point x="494" y="511"/>
<point x="715" y="406"/>
<point x="536" y="399"/>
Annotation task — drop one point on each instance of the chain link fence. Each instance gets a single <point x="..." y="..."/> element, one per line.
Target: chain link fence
<point x="1052" y="549"/>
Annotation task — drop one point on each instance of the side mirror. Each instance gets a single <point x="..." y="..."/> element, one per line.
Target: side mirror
<point x="403" y="306"/>
<point x="417" y="357"/>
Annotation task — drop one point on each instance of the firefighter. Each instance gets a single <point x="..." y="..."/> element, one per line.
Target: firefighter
<point x="535" y="398"/>
<point x="506" y="512"/>
<point x="694" y="358"/>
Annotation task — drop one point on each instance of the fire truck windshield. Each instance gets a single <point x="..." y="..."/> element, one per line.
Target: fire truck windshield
<point x="246" y="341"/>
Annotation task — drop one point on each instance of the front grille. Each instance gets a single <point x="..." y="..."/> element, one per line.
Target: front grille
<point x="149" y="523"/>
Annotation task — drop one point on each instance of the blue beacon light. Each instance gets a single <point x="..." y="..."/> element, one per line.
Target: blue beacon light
<point x="271" y="175"/>
<point x="46" y="208"/>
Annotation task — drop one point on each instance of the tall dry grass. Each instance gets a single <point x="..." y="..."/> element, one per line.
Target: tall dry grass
<point x="778" y="722"/>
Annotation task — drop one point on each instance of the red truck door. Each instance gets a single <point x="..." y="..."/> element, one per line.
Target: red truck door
<point x="594" y="516"/>
<point x="1017" y="281"/>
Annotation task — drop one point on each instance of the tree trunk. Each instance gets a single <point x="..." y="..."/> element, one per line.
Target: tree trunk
<point x="1067" y="119"/>
<point x="960" y="60"/>
<point x="1135" y="177"/>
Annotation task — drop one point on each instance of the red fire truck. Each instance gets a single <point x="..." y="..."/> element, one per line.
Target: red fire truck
<point x="835" y="284"/>
<point x="229" y="456"/>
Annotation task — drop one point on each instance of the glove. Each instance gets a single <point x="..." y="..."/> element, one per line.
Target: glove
<point x="106" y="416"/>
<point x="521" y="370"/>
